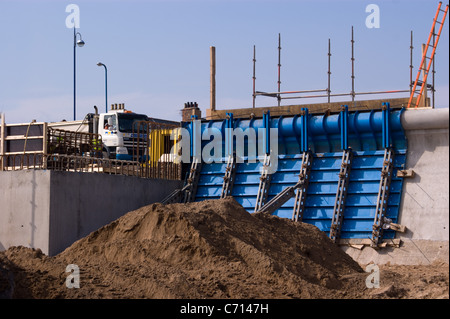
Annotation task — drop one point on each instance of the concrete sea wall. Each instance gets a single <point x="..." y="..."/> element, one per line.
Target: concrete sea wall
<point x="50" y="209"/>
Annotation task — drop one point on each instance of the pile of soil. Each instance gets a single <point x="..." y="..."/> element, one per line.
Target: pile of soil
<point x="209" y="249"/>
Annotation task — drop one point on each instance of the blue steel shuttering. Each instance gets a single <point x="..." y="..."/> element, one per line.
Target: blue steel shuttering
<point x="366" y="133"/>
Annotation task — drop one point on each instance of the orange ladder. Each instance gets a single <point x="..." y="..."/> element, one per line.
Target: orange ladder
<point x="424" y="56"/>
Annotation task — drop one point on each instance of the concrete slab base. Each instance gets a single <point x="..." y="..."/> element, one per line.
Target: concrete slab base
<point x="410" y="252"/>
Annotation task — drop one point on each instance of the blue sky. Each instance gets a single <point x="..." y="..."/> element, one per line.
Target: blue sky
<point x="157" y="53"/>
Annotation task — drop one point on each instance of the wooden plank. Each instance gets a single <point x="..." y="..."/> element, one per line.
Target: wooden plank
<point x="367" y="242"/>
<point x="397" y="227"/>
<point x="405" y="173"/>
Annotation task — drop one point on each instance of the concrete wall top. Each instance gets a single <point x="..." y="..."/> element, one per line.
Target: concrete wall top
<point x="425" y="119"/>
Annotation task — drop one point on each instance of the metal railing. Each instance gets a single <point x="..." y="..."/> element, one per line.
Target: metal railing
<point x="74" y="163"/>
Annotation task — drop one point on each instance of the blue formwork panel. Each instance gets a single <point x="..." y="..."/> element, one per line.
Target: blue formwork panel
<point x="246" y="184"/>
<point x="365" y="138"/>
<point x="361" y="197"/>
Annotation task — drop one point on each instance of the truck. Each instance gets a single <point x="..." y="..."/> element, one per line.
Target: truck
<point x="118" y="129"/>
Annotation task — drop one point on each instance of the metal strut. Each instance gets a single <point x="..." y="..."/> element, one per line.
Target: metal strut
<point x="382" y="199"/>
<point x="187" y="193"/>
<point x="176" y="196"/>
<point x="271" y="206"/>
<point x="339" y="204"/>
<point x="300" y="196"/>
<point x="264" y="184"/>
<point x="228" y="179"/>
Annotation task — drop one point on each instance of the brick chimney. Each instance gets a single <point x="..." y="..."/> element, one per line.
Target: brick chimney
<point x="190" y="108"/>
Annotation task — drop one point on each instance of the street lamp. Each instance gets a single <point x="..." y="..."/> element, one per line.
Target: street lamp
<point x="106" y="86"/>
<point x="80" y="43"/>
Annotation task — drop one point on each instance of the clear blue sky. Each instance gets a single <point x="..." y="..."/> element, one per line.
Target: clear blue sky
<point x="157" y="52"/>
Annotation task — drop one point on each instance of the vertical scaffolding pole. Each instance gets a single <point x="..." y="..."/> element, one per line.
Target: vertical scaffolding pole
<point x="353" y="70"/>
<point x="213" y="78"/>
<point x="433" y="70"/>
<point x="254" y="75"/>
<point x="279" y="68"/>
<point x="411" y="64"/>
<point x="329" y="70"/>
<point x="424" y="80"/>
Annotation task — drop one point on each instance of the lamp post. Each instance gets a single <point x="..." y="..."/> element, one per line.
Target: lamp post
<point x="80" y="43"/>
<point x="106" y="86"/>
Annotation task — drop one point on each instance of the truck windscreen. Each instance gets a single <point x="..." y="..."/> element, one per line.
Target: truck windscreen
<point x="127" y="120"/>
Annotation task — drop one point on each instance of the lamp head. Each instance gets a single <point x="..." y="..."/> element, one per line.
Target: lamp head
<point x="80" y="43"/>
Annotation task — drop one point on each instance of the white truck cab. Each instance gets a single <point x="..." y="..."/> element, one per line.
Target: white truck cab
<point x="116" y="129"/>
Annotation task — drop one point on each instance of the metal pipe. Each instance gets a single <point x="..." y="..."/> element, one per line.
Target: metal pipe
<point x="279" y="66"/>
<point x="288" y="92"/>
<point x="254" y="75"/>
<point x="304" y="97"/>
<point x="381" y="92"/>
<point x="213" y="78"/>
<point x="353" y="70"/>
<point x="329" y="69"/>
<point x="313" y="96"/>
<point x="326" y="95"/>
<point x="433" y="71"/>
<point x="411" y="64"/>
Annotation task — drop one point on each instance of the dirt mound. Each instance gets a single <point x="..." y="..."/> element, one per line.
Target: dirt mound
<point x="209" y="249"/>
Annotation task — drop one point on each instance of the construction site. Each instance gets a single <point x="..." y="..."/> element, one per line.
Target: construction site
<point x="332" y="200"/>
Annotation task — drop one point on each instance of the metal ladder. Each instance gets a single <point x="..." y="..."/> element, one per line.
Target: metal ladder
<point x="264" y="184"/>
<point x="383" y="195"/>
<point x="424" y="67"/>
<point x="228" y="179"/>
<point x="339" y="204"/>
<point x="299" y="204"/>
<point x="192" y="181"/>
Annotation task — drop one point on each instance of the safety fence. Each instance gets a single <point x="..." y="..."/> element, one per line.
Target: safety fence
<point x="36" y="145"/>
<point x="74" y="163"/>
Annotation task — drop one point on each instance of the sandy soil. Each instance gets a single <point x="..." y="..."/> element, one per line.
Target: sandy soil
<point x="210" y="249"/>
